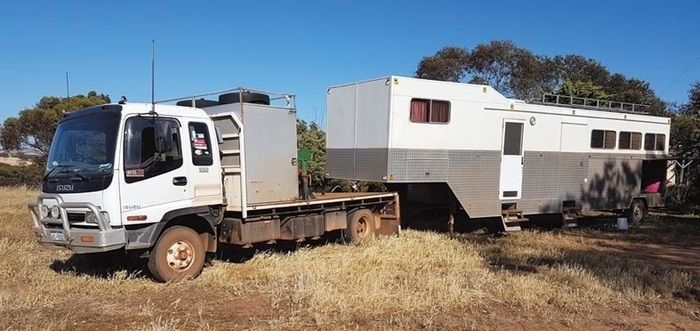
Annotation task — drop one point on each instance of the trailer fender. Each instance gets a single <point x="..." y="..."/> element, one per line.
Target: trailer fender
<point x="199" y="219"/>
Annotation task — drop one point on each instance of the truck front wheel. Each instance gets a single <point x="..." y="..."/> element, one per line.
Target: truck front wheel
<point x="177" y="255"/>
<point x="360" y="225"/>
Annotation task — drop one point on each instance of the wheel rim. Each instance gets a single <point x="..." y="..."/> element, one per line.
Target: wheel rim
<point x="361" y="229"/>
<point x="637" y="214"/>
<point x="180" y="255"/>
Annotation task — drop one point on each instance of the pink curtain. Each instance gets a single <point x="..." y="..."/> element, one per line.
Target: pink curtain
<point x="419" y="110"/>
<point x="440" y="112"/>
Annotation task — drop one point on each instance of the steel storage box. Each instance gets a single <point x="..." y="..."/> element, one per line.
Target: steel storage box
<point x="269" y="153"/>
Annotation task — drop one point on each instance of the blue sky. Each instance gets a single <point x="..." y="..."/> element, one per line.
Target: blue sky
<point x="304" y="46"/>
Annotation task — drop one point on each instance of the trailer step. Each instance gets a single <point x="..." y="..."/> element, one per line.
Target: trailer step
<point x="570" y="216"/>
<point x="512" y="219"/>
<point x="514" y="228"/>
<point x="516" y="220"/>
<point x="511" y="226"/>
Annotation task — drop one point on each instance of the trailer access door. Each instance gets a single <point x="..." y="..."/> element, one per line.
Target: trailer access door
<point x="512" y="159"/>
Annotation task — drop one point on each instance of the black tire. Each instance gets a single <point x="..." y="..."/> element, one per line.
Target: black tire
<point x="247" y="97"/>
<point x="360" y="225"/>
<point x="637" y="212"/>
<point x="177" y="255"/>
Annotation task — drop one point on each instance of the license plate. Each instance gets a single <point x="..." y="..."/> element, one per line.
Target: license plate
<point x="57" y="236"/>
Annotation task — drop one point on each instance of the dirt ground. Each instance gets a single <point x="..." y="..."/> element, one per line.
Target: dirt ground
<point x="592" y="277"/>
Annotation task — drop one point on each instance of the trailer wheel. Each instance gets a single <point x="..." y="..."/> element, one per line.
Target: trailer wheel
<point x="360" y="225"/>
<point x="177" y="255"/>
<point x="637" y="212"/>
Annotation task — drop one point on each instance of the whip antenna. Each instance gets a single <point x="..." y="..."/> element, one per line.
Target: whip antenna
<point x="153" y="75"/>
<point x="67" y="86"/>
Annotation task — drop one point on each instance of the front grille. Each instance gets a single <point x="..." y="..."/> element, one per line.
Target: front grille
<point x="76" y="217"/>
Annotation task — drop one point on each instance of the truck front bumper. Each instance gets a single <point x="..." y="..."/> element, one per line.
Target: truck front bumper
<point x="58" y="233"/>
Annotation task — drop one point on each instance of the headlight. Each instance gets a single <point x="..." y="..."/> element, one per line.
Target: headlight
<point x="90" y="217"/>
<point x="55" y="212"/>
<point x="44" y="211"/>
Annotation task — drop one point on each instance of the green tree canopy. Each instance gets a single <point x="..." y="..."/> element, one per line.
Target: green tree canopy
<point x="32" y="130"/>
<point x="685" y="144"/>
<point x="585" y="89"/>
<point x="693" y="105"/>
<point x="518" y="72"/>
<point x="310" y="136"/>
<point x="448" y="64"/>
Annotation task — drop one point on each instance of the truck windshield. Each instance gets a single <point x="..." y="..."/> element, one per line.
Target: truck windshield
<point x="84" y="144"/>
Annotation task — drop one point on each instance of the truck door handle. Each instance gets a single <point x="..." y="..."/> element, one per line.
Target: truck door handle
<point x="180" y="181"/>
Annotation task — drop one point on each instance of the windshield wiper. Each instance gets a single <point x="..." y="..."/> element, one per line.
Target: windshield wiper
<point x="48" y="174"/>
<point x="76" y="174"/>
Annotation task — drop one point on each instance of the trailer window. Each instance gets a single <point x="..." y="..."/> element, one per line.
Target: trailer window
<point x="200" y="144"/>
<point x="603" y="139"/>
<point x="430" y="111"/>
<point x="141" y="158"/>
<point x="654" y="142"/>
<point x="630" y="140"/>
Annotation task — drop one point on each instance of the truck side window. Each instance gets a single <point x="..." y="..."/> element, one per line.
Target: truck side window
<point x="142" y="160"/>
<point x="200" y="144"/>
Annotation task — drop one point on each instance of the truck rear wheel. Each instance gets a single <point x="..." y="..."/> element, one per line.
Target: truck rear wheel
<point x="177" y="255"/>
<point x="360" y="225"/>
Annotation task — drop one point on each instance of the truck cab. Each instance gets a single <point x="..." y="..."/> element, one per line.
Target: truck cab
<point x="116" y="174"/>
<point x="170" y="182"/>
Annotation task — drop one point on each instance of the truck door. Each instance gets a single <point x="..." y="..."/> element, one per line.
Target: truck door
<point x="512" y="159"/>
<point x="154" y="178"/>
<point x="206" y="181"/>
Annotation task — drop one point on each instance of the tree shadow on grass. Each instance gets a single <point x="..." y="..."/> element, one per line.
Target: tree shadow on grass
<point x="617" y="270"/>
<point x="109" y="265"/>
<point x="623" y="261"/>
<point x="238" y="254"/>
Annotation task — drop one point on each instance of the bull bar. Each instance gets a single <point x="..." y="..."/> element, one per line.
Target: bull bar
<point x="79" y="240"/>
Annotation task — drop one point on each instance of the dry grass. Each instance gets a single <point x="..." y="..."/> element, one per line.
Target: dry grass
<point x="419" y="280"/>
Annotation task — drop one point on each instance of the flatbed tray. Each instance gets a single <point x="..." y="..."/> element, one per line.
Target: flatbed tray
<point x="323" y="199"/>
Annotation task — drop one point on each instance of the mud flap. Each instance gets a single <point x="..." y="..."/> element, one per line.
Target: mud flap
<point x="387" y="226"/>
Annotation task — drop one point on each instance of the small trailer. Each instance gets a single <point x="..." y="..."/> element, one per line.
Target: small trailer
<point x="171" y="182"/>
<point x="472" y="152"/>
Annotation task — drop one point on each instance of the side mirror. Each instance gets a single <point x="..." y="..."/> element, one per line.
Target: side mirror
<point x="164" y="136"/>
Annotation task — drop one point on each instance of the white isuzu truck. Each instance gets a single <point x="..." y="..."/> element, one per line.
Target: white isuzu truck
<point x="172" y="181"/>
